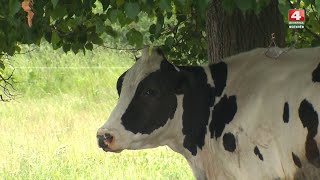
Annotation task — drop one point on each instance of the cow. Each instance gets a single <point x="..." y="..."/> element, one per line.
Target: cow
<point x="246" y="117"/>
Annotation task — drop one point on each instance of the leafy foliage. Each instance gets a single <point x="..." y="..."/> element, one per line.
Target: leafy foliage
<point x="176" y="25"/>
<point x="78" y="25"/>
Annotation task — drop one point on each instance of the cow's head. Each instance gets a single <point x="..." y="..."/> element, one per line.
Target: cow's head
<point x="148" y="112"/>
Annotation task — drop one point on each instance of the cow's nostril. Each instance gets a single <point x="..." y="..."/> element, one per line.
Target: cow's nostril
<point x="101" y="143"/>
<point x="108" y="137"/>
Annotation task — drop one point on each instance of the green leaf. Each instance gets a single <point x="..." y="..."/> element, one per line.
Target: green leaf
<point x="165" y="5"/>
<point x="63" y="26"/>
<point x="313" y="22"/>
<point x="159" y="25"/>
<point x="47" y="36"/>
<point x="258" y="7"/>
<point x="111" y="32"/>
<point x="82" y="38"/>
<point x="89" y="46"/>
<point x="308" y="2"/>
<point x="14" y="7"/>
<point x="181" y="17"/>
<point x="54" y="3"/>
<point x="66" y="47"/>
<point x="182" y="5"/>
<point x="315" y="43"/>
<point x="2" y="65"/>
<point x="119" y="2"/>
<point x="99" y="26"/>
<point x="123" y="20"/>
<point x="71" y="23"/>
<point x="151" y="37"/>
<point x="75" y="47"/>
<point x="317" y="4"/>
<point x="201" y="7"/>
<point x="95" y="39"/>
<point x="244" y="5"/>
<point x="132" y="9"/>
<point x="169" y="41"/>
<point x="113" y="15"/>
<point x="152" y="29"/>
<point x="283" y="7"/>
<point x="228" y="5"/>
<point x="55" y="38"/>
<point x="105" y="4"/>
<point x="17" y="48"/>
<point x="59" y="12"/>
<point x="134" y="37"/>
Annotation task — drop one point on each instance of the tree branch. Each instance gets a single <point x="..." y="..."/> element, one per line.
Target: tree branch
<point x="316" y="36"/>
<point x="121" y="49"/>
<point x="316" y="16"/>
<point x="290" y="4"/>
<point x="6" y="84"/>
<point x="5" y="54"/>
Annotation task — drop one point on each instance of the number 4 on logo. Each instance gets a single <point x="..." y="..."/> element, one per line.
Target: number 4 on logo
<point x="296" y="15"/>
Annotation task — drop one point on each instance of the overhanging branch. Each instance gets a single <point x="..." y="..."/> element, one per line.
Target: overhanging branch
<point x="7" y="88"/>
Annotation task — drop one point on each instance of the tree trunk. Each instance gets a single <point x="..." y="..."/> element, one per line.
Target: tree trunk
<point x="235" y="32"/>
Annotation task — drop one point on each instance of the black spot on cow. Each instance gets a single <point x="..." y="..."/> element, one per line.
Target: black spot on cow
<point x="309" y="119"/>
<point x="229" y="142"/>
<point x="222" y="114"/>
<point x="316" y="74"/>
<point x="257" y="153"/>
<point x="219" y="74"/>
<point x="296" y="160"/>
<point x="200" y="76"/>
<point x="285" y="115"/>
<point x="153" y="103"/>
<point x="196" y="107"/>
<point x="119" y="83"/>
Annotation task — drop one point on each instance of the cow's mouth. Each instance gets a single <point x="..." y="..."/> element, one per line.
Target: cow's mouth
<point x="110" y="150"/>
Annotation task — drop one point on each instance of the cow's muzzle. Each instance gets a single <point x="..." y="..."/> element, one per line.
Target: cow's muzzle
<point x="105" y="140"/>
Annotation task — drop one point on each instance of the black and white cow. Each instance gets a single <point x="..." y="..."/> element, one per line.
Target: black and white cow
<point x="248" y="117"/>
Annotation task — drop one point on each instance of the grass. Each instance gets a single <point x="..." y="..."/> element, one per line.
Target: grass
<point x="49" y="131"/>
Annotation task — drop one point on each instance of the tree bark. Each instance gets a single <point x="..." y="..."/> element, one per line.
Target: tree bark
<point x="235" y="32"/>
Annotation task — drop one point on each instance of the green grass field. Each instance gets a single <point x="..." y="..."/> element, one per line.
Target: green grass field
<point x="49" y="131"/>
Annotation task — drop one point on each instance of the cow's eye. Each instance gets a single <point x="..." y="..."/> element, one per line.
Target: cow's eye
<point x="149" y="92"/>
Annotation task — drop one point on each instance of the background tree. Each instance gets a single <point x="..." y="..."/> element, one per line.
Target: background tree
<point x="235" y="28"/>
<point x="190" y="32"/>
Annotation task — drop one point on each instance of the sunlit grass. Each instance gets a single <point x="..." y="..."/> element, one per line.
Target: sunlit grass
<point x="49" y="131"/>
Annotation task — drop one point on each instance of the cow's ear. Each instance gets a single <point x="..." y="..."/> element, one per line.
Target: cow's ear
<point x="160" y="52"/>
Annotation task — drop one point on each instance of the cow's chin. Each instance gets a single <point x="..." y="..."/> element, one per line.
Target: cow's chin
<point x="112" y="150"/>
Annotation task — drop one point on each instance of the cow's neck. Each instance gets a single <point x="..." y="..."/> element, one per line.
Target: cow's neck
<point x="207" y="163"/>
